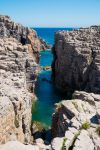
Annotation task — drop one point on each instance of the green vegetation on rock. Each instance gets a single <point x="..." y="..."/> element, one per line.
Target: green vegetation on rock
<point x="98" y="130"/>
<point x="86" y="125"/>
<point x="63" y="144"/>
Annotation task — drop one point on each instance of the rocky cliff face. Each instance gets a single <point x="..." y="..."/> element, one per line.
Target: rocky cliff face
<point x="76" y="66"/>
<point x="24" y="35"/>
<point x="19" y="53"/>
<point x="76" y="63"/>
<point x="17" y="69"/>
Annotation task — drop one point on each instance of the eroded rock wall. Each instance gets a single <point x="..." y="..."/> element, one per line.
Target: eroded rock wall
<point x="24" y="35"/>
<point x="76" y="63"/>
<point x="18" y="74"/>
<point x="76" y="66"/>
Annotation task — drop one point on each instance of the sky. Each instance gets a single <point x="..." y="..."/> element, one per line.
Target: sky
<point x="52" y="13"/>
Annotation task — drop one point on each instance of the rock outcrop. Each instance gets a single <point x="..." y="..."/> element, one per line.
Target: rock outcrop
<point x="19" y="54"/>
<point x="76" y="123"/>
<point x="76" y="66"/>
<point x="76" y="63"/>
<point x="24" y="35"/>
<point x="15" y="145"/>
<point x="18" y="72"/>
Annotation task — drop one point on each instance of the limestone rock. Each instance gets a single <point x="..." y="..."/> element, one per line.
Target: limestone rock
<point x="15" y="145"/>
<point x="83" y="142"/>
<point x="57" y="143"/>
<point x="77" y="120"/>
<point x="18" y="74"/>
<point x="76" y="63"/>
<point x="24" y="35"/>
<point x="17" y="79"/>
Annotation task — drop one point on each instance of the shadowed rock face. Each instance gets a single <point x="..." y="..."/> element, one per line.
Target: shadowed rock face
<point x="77" y="60"/>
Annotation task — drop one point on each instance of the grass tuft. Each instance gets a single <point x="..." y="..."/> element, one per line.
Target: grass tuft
<point x="86" y="125"/>
<point x="63" y="144"/>
<point x="98" y="130"/>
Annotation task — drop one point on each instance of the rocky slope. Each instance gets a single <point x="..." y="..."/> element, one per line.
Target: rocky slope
<point x="19" y="54"/>
<point x="76" y="63"/>
<point x="76" y="123"/>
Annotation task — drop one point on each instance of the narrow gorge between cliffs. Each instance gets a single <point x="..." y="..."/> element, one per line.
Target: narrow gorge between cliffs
<point x="47" y="94"/>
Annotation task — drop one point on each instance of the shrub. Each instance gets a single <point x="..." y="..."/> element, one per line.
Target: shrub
<point x="63" y="144"/>
<point x="86" y="125"/>
<point x="98" y="130"/>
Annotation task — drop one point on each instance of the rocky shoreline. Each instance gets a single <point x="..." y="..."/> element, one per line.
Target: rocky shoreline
<point x="76" y="69"/>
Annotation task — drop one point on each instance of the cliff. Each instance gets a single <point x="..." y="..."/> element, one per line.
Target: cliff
<point x="19" y="54"/>
<point x="24" y="35"/>
<point x="76" y="66"/>
<point x="76" y="63"/>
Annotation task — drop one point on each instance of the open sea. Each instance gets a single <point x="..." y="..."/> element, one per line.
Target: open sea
<point x="45" y="91"/>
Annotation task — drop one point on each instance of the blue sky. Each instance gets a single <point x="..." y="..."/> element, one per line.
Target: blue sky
<point x="52" y="13"/>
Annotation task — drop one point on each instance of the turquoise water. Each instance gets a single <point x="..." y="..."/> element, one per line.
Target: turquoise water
<point x="45" y="91"/>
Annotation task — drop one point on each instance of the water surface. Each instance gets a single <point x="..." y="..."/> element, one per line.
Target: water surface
<point x="46" y="93"/>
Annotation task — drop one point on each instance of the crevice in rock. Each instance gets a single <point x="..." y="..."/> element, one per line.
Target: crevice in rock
<point x="74" y="140"/>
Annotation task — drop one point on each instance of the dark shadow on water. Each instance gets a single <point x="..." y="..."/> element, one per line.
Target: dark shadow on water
<point x="94" y="120"/>
<point x="45" y="135"/>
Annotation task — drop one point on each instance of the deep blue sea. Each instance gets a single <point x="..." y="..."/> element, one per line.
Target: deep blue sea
<point x="46" y="93"/>
<point x="48" y="33"/>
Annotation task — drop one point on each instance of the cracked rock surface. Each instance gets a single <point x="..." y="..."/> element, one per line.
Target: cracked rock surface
<point x="18" y="74"/>
<point x="77" y="60"/>
<point x="77" y="121"/>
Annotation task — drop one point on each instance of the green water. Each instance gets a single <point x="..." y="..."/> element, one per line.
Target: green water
<point x="46" y="93"/>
